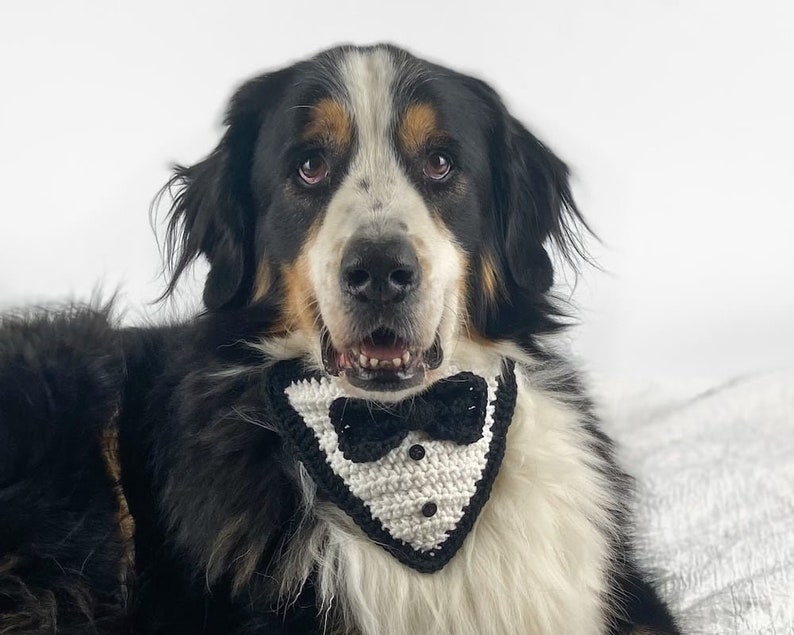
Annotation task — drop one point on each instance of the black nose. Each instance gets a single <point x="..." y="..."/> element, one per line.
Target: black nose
<point x="380" y="271"/>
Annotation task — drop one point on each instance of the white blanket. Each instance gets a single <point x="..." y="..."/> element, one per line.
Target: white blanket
<point x="715" y="499"/>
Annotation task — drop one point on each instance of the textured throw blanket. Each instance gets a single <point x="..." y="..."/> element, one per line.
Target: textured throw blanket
<point x="715" y="479"/>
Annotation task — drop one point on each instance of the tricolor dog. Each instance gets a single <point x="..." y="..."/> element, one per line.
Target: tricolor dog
<point x="367" y="430"/>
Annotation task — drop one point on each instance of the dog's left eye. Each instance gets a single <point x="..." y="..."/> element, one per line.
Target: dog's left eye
<point x="313" y="170"/>
<point x="437" y="166"/>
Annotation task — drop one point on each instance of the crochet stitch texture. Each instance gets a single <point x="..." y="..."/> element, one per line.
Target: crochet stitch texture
<point x="421" y="498"/>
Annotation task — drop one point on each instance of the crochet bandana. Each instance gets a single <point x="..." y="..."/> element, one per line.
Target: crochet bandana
<point x="414" y="475"/>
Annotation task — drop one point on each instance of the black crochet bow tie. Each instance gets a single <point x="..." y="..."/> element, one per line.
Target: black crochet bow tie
<point x="452" y="409"/>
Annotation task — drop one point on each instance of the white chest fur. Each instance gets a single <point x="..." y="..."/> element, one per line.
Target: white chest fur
<point x="535" y="562"/>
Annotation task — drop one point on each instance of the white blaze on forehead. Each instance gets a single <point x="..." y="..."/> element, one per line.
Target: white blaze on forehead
<point x="376" y="198"/>
<point x="389" y="197"/>
<point x="368" y="77"/>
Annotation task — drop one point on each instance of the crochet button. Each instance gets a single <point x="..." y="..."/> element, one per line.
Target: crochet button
<point x="429" y="509"/>
<point x="416" y="452"/>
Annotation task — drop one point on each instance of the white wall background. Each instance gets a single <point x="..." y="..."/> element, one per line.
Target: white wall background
<point x="677" y="117"/>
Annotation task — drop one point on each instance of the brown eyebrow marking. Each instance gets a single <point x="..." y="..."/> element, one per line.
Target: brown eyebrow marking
<point x="329" y="122"/>
<point x="419" y="127"/>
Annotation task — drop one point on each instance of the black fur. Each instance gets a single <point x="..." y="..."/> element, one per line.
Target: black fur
<point x="61" y="376"/>
<point x="211" y="213"/>
<point x="212" y="494"/>
<point x="204" y="471"/>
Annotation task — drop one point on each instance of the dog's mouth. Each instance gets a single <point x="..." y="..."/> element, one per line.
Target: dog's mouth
<point x="382" y="361"/>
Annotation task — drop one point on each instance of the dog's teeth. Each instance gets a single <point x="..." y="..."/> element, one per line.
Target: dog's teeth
<point x="374" y="363"/>
<point x="406" y="358"/>
<point x="397" y="362"/>
<point x="363" y="360"/>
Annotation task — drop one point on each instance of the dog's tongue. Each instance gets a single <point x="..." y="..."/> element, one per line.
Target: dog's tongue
<point x="379" y="351"/>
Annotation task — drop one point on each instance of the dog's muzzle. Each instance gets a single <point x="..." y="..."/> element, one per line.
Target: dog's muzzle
<point x="380" y="280"/>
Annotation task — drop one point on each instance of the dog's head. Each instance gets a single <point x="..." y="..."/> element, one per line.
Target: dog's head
<point x="387" y="209"/>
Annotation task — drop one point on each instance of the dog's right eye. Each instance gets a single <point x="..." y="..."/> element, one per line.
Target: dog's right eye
<point x="437" y="166"/>
<point x="313" y="170"/>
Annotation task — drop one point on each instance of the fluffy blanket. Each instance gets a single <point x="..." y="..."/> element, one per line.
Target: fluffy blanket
<point x="715" y="504"/>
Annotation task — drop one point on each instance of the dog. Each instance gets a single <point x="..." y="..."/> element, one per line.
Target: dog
<point x="381" y="226"/>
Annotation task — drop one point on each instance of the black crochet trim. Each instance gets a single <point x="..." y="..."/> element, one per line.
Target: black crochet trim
<point x="302" y="443"/>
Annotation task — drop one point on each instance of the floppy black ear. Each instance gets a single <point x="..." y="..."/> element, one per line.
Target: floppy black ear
<point x="212" y="213"/>
<point x="532" y="209"/>
<point x="534" y="205"/>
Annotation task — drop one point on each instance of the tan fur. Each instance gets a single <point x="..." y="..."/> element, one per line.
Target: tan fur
<point x="418" y="128"/>
<point x="126" y="525"/>
<point x="491" y="284"/>
<point x="262" y="281"/>
<point x="299" y="311"/>
<point x="330" y="123"/>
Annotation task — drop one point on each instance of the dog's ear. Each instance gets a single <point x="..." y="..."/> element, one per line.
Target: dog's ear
<point x="535" y="207"/>
<point x="533" y="204"/>
<point x="212" y="213"/>
<point x="532" y="209"/>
